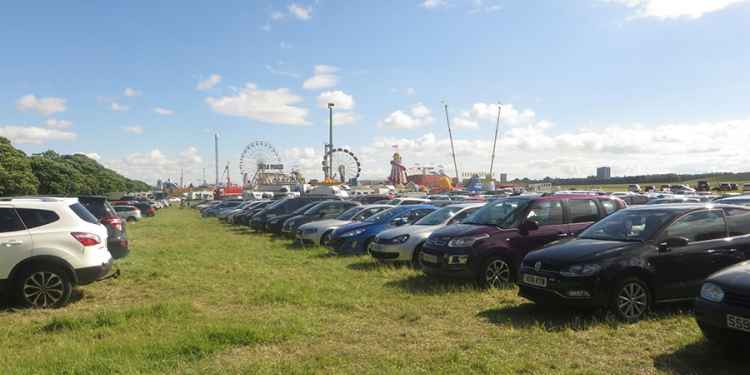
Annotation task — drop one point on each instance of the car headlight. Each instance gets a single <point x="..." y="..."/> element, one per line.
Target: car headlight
<point x="355" y="232"/>
<point x="579" y="270"/>
<point x="467" y="241"/>
<point x="398" y="239"/>
<point x="712" y="292"/>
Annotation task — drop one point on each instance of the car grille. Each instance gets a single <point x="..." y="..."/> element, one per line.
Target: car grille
<point x="737" y="299"/>
<point x="438" y="241"/>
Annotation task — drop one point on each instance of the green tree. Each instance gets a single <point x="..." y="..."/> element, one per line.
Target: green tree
<point x="57" y="177"/>
<point x="16" y="176"/>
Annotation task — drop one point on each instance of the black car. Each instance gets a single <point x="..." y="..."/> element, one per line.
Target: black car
<point x="723" y="307"/>
<point x="281" y="207"/>
<point x="637" y="257"/>
<point x="320" y="211"/>
<point x="243" y="218"/>
<point x="117" y="241"/>
<point x="275" y="224"/>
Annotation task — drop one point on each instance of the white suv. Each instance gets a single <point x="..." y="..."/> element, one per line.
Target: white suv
<point x="48" y="245"/>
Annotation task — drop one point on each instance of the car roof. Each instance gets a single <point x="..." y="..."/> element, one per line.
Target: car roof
<point x="467" y="205"/>
<point x="678" y="207"/>
<point x="40" y="199"/>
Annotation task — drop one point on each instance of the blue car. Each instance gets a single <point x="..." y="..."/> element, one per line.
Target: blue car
<point x="355" y="238"/>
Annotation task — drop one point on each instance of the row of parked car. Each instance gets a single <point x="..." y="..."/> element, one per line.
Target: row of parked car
<point x="585" y="251"/>
<point x="49" y="245"/>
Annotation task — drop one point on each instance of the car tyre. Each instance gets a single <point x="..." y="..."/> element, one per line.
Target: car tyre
<point x="43" y="286"/>
<point x="416" y="257"/>
<point x="326" y="238"/>
<point x="631" y="300"/>
<point x="131" y="219"/>
<point x="496" y="273"/>
<point x="368" y="242"/>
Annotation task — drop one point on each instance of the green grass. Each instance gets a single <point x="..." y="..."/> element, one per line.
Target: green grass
<point x="196" y="296"/>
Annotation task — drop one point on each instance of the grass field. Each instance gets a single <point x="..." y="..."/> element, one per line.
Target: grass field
<point x="196" y="296"/>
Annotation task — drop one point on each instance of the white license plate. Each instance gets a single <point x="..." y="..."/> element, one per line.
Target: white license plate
<point x="429" y="258"/>
<point x="738" y="323"/>
<point x="535" y="280"/>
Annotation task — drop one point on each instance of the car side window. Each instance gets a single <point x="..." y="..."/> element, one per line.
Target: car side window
<point x="416" y="215"/>
<point x="583" y="210"/>
<point x="698" y="226"/>
<point x="36" y="218"/>
<point x="546" y="212"/>
<point x="9" y="221"/>
<point x="609" y="206"/>
<point x="738" y="221"/>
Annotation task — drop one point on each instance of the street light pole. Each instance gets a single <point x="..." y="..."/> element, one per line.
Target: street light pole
<point x="330" y="140"/>
<point x="494" y="144"/>
<point x="453" y="150"/>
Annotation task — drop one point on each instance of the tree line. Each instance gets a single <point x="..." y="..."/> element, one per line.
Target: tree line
<point x="50" y="173"/>
<point x="646" y="179"/>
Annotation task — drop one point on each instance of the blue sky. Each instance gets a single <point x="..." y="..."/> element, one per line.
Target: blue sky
<point x="642" y="85"/>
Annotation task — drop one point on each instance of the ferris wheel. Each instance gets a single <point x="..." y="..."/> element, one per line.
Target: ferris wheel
<point x="344" y="167"/>
<point x="259" y="158"/>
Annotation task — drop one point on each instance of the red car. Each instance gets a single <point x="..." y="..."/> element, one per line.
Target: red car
<point x="491" y="243"/>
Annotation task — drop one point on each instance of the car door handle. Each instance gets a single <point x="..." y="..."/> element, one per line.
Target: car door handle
<point x="563" y="235"/>
<point x="12" y="243"/>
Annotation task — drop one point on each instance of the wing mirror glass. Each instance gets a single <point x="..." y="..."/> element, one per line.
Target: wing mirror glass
<point x="528" y="226"/>
<point x="399" y="221"/>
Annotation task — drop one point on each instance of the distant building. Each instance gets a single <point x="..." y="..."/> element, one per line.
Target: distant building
<point x="503" y="178"/>
<point x="603" y="172"/>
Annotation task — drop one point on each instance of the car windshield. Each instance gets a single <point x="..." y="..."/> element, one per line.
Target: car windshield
<point x="315" y="208"/>
<point x="438" y="217"/>
<point x="349" y="214"/>
<point x="304" y="208"/>
<point x="735" y="201"/>
<point x="383" y="216"/>
<point x="502" y="213"/>
<point x="629" y="225"/>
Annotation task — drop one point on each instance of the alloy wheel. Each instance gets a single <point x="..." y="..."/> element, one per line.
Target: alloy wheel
<point x="326" y="239"/>
<point x="632" y="302"/>
<point x="43" y="289"/>
<point x="497" y="273"/>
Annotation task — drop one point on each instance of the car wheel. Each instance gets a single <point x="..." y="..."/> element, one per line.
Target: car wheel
<point x="130" y="219"/>
<point x="368" y="242"/>
<point x="326" y="238"/>
<point x="631" y="300"/>
<point x="42" y="287"/>
<point x="496" y="273"/>
<point x="416" y="260"/>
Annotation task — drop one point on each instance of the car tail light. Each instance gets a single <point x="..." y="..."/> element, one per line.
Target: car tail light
<point x="86" y="239"/>
<point x="115" y="222"/>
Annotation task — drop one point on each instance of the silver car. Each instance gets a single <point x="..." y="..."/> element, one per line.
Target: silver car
<point x="128" y="213"/>
<point x="403" y="244"/>
<point x="318" y="232"/>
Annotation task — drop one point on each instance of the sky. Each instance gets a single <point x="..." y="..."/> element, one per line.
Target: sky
<point x="643" y="86"/>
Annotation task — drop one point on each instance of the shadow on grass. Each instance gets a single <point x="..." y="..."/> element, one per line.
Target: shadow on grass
<point x="702" y="357"/>
<point x="7" y="305"/>
<point x="373" y="265"/>
<point x="425" y="285"/>
<point x="555" y="318"/>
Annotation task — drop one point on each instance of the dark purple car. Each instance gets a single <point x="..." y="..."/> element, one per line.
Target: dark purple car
<point x="490" y="245"/>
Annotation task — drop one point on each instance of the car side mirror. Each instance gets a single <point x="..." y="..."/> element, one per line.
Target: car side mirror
<point x="399" y="221"/>
<point x="672" y="242"/>
<point x="528" y="226"/>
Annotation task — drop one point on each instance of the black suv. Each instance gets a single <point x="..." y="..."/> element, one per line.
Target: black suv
<point x="639" y="256"/>
<point x="117" y="242"/>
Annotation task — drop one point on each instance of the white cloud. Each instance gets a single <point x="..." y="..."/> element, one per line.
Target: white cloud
<point x="58" y="124"/>
<point x="324" y="76"/>
<point x="163" y="111"/>
<point x="34" y="135"/>
<point x="270" y="106"/>
<point x="432" y="4"/>
<point x="45" y="106"/>
<point x="668" y="9"/>
<point x="299" y="11"/>
<point x="208" y="83"/>
<point x="277" y="16"/>
<point x="135" y="129"/>
<point x="486" y="112"/>
<point x="130" y="92"/>
<point x="410" y="91"/>
<point x="117" y="107"/>
<point x="344" y="118"/>
<point x="90" y="155"/>
<point x="340" y="99"/>
<point x="418" y="116"/>
<point x="280" y="72"/>
<point x="153" y="165"/>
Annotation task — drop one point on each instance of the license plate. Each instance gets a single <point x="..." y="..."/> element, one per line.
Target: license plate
<point x="429" y="258"/>
<point x="738" y="323"/>
<point x="535" y="280"/>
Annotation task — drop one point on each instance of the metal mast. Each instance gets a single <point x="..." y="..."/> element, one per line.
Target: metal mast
<point x="216" y="154"/>
<point x="329" y="170"/>
<point x="494" y="144"/>
<point x="453" y="150"/>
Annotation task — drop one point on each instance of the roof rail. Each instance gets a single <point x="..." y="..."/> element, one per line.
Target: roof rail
<point x="41" y="199"/>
